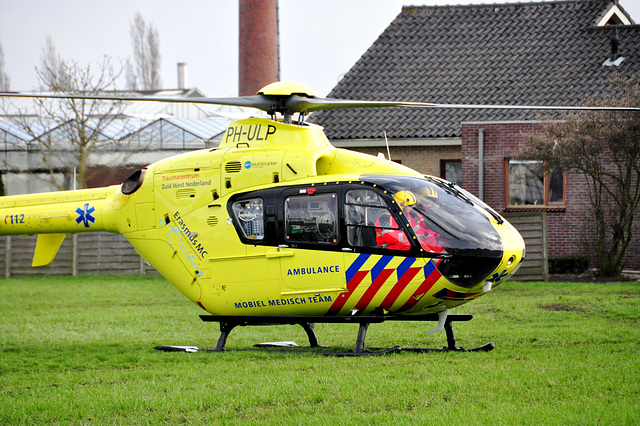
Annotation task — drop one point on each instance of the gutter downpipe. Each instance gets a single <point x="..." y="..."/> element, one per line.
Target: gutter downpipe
<point x="481" y="164"/>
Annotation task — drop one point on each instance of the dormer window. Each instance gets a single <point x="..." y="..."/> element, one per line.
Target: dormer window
<point x="614" y="16"/>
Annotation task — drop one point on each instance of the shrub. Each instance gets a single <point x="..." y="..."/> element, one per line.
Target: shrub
<point x="568" y="265"/>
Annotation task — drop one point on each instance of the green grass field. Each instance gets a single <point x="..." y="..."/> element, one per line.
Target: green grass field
<point x="80" y="350"/>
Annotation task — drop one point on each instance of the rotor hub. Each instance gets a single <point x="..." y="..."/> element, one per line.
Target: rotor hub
<point x="287" y="88"/>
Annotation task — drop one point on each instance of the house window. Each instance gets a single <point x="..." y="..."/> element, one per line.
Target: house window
<point x="451" y="170"/>
<point x="534" y="184"/>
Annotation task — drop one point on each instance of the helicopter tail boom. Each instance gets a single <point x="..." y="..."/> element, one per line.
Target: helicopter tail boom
<point x="67" y="212"/>
<point x="54" y="215"/>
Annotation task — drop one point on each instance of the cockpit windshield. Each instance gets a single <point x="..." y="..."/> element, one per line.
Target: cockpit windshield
<point x="447" y="223"/>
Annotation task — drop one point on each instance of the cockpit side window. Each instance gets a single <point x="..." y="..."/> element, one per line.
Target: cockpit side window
<point x="311" y="218"/>
<point x="250" y="215"/>
<point x="370" y="223"/>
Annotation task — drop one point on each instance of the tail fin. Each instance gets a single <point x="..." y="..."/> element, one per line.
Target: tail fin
<point x="47" y="247"/>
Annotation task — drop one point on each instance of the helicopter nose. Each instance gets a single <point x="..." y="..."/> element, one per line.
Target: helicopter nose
<point x="514" y="252"/>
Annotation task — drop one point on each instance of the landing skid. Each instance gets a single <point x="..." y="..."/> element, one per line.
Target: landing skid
<point x="228" y="323"/>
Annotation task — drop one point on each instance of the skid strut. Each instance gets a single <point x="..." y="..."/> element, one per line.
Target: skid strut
<point x="228" y="323"/>
<point x="227" y="326"/>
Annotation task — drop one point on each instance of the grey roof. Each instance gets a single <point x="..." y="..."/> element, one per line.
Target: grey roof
<point x="548" y="53"/>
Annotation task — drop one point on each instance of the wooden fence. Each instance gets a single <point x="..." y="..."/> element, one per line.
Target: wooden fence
<point x="532" y="227"/>
<point x="80" y="254"/>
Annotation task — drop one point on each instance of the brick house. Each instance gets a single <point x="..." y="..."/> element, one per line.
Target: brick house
<point x="546" y="53"/>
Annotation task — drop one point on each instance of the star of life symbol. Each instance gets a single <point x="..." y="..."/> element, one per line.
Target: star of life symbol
<point x="84" y="215"/>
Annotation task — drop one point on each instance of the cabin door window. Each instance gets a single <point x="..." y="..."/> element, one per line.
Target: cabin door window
<point x="311" y="219"/>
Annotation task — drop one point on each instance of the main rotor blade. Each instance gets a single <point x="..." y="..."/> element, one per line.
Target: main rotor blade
<point x="305" y="104"/>
<point x="528" y="107"/>
<point x="300" y="104"/>
<point x="297" y="103"/>
<point x="257" y="101"/>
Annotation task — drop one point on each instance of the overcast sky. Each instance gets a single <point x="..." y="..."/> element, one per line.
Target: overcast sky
<point x="319" y="40"/>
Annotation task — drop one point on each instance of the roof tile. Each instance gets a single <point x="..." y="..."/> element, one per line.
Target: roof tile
<point x="523" y="53"/>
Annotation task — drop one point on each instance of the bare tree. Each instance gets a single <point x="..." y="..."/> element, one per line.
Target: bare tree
<point x="603" y="146"/>
<point x="146" y="55"/>
<point x="65" y="132"/>
<point x="4" y="78"/>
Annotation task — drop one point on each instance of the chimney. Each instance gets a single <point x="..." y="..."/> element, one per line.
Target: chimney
<point x="614" y="59"/>
<point x="183" y="75"/>
<point x="258" y="55"/>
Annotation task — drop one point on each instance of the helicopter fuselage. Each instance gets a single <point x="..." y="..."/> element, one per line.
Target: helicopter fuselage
<point x="276" y="222"/>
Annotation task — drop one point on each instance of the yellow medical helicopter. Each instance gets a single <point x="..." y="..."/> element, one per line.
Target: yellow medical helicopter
<point x="277" y="226"/>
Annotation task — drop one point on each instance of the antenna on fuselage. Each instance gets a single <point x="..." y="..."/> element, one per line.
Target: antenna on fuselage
<point x="386" y="141"/>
